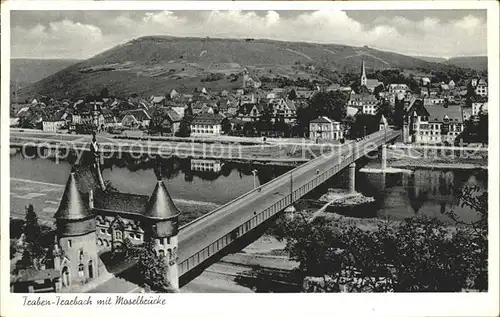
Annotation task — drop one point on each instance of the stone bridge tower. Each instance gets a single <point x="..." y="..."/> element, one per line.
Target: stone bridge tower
<point x="76" y="255"/>
<point x="164" y="218"/>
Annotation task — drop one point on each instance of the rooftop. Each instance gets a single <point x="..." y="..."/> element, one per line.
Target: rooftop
<point x="207" y="118"/>
<point x="121" y="202"/>
<point x="437" y="113"/>
<point x="72" y="205"/>
<point x="160" y="205"/>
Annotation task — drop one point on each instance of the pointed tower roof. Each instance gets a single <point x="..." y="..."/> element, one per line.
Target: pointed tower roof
<point x="383" y="120"/>
<point x="72" y="206"/>
<point x="160" y="204"/>
<point x="363" y="71"/>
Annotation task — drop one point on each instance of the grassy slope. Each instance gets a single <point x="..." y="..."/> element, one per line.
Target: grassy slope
<point x="432" y="59"/>
<point x="474" y="62"/>
<point x="151" y="52"/>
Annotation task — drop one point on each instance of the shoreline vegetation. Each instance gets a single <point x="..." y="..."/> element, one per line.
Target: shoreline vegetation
<point x="346" y="254"/>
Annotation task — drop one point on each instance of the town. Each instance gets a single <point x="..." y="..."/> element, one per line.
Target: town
<point x="431" y="109"/>
<point x="162" y="150"/>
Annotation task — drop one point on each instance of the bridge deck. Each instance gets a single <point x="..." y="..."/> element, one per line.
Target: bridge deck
<point x="209" y="234"/>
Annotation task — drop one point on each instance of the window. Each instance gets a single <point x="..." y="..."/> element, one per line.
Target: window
<point x="81" y="270"/>
<point x="70" y="243"/>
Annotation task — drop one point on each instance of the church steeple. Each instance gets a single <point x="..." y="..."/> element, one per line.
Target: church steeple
<point x="363" y="74"/>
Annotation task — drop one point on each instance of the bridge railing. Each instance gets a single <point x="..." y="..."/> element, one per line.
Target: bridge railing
<point x="245" y="225"/>
<point x="258" y="189"/>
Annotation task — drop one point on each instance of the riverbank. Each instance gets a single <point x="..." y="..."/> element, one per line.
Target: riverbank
<point x="416" y="159"/>
<point x="411" y="165"/>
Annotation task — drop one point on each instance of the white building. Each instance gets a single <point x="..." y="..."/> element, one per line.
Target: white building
<point x="203" y="165"/>
<point x="324" y="128"/>
<point x="436" y="124"/>
<point x="206" y="124"/>
<point x="52" y="125"/>
<point x="398" y="88"/>
<point x="430" y="101"/>
<point x="481" y="88"/>
<point x="479" y="107"/>
<point x="367" y="104"/>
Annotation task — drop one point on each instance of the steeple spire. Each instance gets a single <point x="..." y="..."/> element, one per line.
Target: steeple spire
<point x="363" y="74"/>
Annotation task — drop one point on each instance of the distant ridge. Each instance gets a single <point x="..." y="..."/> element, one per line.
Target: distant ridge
<point x="474" y="62"/>
<point x="25" y="71"/>
<point x="431" y="59"/>
<point x="154" y="64"/>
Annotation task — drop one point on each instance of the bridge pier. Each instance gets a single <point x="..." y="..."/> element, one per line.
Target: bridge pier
<point x="352" y="178"/>
<point x="384" y="157"/>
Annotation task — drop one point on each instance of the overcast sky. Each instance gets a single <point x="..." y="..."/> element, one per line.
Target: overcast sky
<point x="82" y="34"/>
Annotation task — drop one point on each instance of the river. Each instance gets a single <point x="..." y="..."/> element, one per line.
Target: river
<point x="198" y="187"/>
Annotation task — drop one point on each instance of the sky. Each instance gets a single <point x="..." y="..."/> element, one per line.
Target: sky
<point x="82" y="34"/>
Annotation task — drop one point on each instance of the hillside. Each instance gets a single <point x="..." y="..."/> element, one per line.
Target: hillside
<point x="431" y="59"/>
<point x="474" y="62"/>
<point x="155" y="64"/>
<point x="27" y="71"/>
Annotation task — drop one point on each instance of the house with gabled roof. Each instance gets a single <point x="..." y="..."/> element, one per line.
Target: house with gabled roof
<point x="53" y="122"/>
<point x="325" y="129"/>
<point x="284" y="108"/>
<point x="206" y="124"/>
<point x="136" y="118"/>
<point x="434" y="124"/>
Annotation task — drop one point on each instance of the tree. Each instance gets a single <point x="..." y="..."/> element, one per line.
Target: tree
<point x="226" y="126"/>
<point x="34" y="251"/>
<point x="152" y="266"/>
<point x="184" y="129"/>
<point x="419" y="254"/>
<point x="104" y="93"/>
<point x="158" y="121"/>
<point x="281" y="126"/>
<point x="363" y="125"/>
<point x="264" y="123"/>
<point x="349" y="122"/>
<point x="399" y="112"/>
<point x="292" y="95"/>
<point x="482" y="132"/>
<point x="355" y="86"/>
<point x="331" y="104"/>
<point x="378" y="90"/>
<point x="385" y="109"/>
<point x="185" y="125"/>
<point x="249" y="128"/>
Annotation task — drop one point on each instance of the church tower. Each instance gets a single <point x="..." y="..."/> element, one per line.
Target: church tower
<point x="76" y="247"/>
<point x="363" y="74"/>
<point x="164" y="217"/>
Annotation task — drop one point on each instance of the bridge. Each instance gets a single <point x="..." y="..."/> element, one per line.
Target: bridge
<point x="205" y="238"/>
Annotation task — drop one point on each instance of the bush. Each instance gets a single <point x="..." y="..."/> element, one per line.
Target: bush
<point x="416" y="255"/>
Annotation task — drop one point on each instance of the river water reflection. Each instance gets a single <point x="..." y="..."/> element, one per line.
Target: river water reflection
<point x="201" y="186"/>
